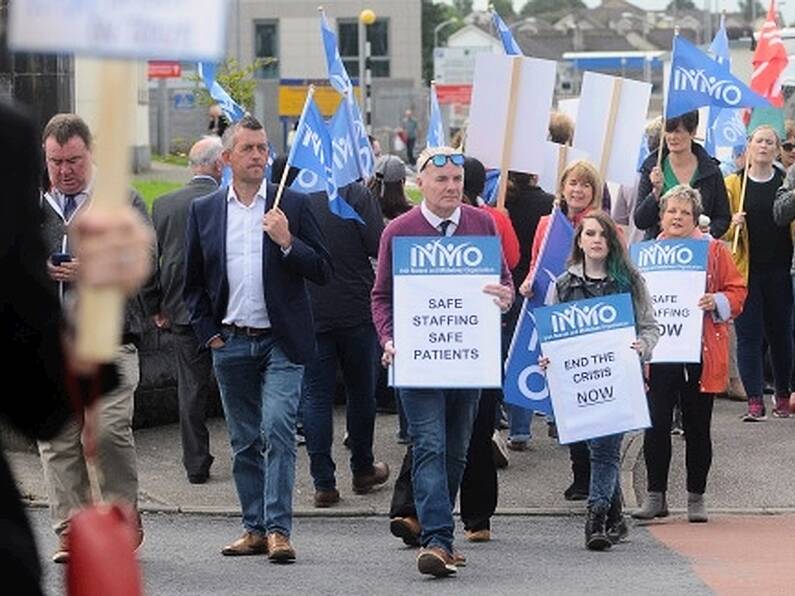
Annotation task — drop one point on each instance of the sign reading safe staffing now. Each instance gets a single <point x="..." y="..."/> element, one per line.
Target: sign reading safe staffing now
<point x="676" y="276"/>
<point x="594" y="375"/>
<point x="447" y="330"/>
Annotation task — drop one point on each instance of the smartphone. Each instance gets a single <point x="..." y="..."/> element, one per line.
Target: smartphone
<point x="60" y="258"/>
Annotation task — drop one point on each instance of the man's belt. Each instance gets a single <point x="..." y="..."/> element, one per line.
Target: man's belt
<point x="247" y="331"/>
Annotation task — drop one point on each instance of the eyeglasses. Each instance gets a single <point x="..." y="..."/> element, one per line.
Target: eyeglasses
<point x="788" y="146"/>
<point x="457" y="159"/>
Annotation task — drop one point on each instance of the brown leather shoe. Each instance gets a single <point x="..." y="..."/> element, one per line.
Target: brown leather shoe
<point x="279" y="548"/>
<point x="363" y="483"/>
<point x="326" y="498"/>
<point x="406" y="528"/>
<point x="61" y="555"/>
<point x="478" y="535"/>
<point x="248" y="544"/>
<point x="459" y="559"/>
<point x="435" y="561"/>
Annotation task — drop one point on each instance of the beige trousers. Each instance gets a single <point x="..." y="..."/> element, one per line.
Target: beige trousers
<point x="62" y="456"/>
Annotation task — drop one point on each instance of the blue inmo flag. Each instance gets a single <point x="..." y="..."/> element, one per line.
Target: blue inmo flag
<point x="231" y="109"/>
<point x="719" y="50"/>
<point x="343" y="146"/>
<point x="525" y="384"/>
<point x="697" y="80"/>
<point x="435" y="127"/>
<point x="508" y="42"/>
<point x="312" y="154"/>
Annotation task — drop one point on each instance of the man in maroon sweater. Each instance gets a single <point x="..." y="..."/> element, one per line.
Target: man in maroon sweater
<point x="440" y="420"/>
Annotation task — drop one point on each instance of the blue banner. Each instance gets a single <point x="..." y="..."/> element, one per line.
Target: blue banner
<point x="719" y="50"/>
<point x="583" y="317"/>
<point x="446" y="255"/>
<point x="312" y="154"/>
<point x="525" y="384"/>
<point x="670" y="255"/>
<point x="508" y="42"/>
<point x="346" y="164"/>
<point x="435" y="127"/>
<point x="697" y="80"/>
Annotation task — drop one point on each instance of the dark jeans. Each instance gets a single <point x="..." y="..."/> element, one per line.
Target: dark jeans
<point x="194" y="385"/>
<point x="767" y="314"/>
<point x="355" y="349"/>
<point x="479" y="483"/>
<point x="670" y="384"/>
<point x="410" y="142"/>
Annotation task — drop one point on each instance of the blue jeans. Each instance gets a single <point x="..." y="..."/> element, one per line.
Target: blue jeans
<point x="519" y="420"/>
<point x="440" y="426"/>
<point x="260" y="388"/>
<point x="767" y="314"/>
<point x="355" y="349"/>
<point x="605" y="468"/>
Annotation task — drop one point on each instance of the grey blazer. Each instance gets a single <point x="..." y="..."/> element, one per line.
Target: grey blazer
<point x="170" y="217"/>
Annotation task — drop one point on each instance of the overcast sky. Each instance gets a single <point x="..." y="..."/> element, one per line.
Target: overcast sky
<point x="788" y="8"/>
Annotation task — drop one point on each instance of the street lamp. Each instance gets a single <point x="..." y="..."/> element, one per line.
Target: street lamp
<point x="366" y="17"/>
<point x="439" y="27"/>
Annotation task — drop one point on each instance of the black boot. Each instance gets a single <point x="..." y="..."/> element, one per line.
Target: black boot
<point x="616" y="528"/>
<point x="595" y="533"/>
<point x="581" y="470"/>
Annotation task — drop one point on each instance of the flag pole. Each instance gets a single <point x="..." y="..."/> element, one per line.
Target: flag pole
<point x="738" y="227"/>
<point x="286" y="170"/>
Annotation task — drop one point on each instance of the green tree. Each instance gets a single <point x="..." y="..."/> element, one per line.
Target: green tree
<point x="539" y="8"/>
<point x="746" y="8"/>
<point x="680" y="5"/>
<point x="237" y="80"/>
<point x="433" y="15"/>
<point x="504" y="8"/>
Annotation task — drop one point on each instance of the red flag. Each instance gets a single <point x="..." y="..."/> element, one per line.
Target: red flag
<point x="770" y="60"/>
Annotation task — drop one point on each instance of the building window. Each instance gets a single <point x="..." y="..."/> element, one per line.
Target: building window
<point x="266" y="48"/>
<point x="377" y="35"/>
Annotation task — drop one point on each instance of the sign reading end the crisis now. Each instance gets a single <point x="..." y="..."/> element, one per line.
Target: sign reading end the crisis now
<point x="177" y="29"/>
<point x="447" y="330"/>
<point x="594" y="374"/>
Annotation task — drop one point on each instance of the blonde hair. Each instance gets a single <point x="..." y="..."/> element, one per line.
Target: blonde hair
<point x="583" y="170"/>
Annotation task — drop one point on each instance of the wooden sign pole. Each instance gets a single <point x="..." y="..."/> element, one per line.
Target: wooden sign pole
<point x="507" y="143"/>
<point x="100" y="310"/>
<point x="607" y="144"/>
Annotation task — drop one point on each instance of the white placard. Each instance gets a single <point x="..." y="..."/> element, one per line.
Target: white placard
<point x="446" y="329"/>
<point x="570" y="107"/>
<point x="594" y="375"/>
<point x="590" y="134"/>
<point x="163" y="29"/>
<point x="549" y="179"/>
<point x="675" y="271"/>
<point x="488" y="116"/>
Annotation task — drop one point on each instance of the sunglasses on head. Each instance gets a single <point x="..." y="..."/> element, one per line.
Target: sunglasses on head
<point x="788" y="146"/>
<point x="457" y="159"/>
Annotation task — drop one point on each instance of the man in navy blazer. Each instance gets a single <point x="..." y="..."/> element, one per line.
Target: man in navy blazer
<point x="246" y="294"/>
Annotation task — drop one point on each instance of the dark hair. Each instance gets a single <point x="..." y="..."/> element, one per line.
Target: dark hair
<point x="277" y="169"/>
<point x="248" y="122"/>
<point x="688" y="120"/>
<point x="474" y="180"/>
<point x="391" y="197"/>
<point x="618" y="265"/>
<point x="63" y="127"/>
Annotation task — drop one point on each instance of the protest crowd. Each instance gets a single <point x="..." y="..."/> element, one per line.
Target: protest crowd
<point x="277" y="290"/>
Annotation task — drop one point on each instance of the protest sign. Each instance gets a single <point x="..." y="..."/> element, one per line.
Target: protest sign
<point x="594" y="375"/>
<point x="556" y="158"/>
<point x="178" y="29"/>
<point x="508" y="120"/>
<point x="446" y="329"/>
<point x="676" y="276"/>
<point x="610" y="123"/>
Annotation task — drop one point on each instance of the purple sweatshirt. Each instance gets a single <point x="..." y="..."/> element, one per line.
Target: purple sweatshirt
<point x="473" y="222"/>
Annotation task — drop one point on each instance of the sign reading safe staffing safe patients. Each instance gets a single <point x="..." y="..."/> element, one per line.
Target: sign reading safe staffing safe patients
<point x="447" y="330"/>
<point x="594" y="375"/>
<point x="676" y="276"/>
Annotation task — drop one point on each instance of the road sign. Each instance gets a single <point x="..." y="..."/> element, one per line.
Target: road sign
<point x="164" y="69"/>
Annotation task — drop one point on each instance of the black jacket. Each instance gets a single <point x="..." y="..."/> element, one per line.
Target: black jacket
<point x="708" y="180"/>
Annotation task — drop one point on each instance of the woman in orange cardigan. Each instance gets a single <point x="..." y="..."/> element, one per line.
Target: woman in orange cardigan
<point x="696" y="384"/>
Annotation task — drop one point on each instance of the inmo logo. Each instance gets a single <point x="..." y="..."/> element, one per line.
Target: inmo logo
<point x="691" y="79"/>
<point x="437" y="254"/>
<point x="658" y="254"/>
<point x="575" y="317"/>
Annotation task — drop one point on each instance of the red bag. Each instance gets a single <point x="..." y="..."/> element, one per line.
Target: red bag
<point x="102" y="541"/>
